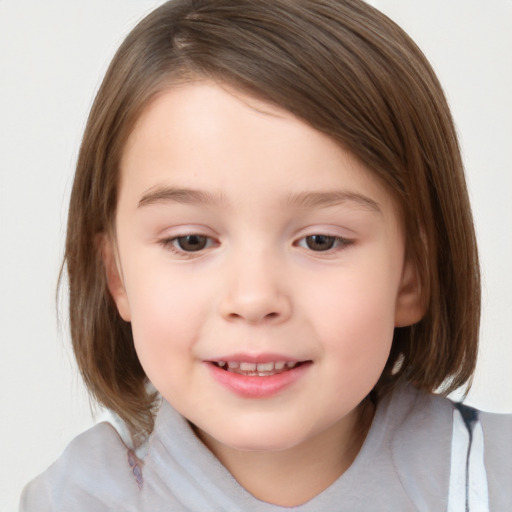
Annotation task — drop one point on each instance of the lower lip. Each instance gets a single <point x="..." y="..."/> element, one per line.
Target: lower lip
<point x="258" y="387"/>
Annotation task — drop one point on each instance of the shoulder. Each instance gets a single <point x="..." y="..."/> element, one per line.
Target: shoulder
<point x="434" y="416"/>
<point x="409" y="406"/>
<point x="93" y="473"/>
<point x="420" y="430"/>
<point x="414" y="414"/>
<point x="498" y="432"/>
<point x="497" y="435"/>
<point x="438" y="434"/>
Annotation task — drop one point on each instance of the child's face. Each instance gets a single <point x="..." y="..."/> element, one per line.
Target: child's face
<point x="245" y="236"/>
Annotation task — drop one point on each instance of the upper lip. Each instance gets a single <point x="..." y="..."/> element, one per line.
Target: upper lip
<point x="256" y="358"/>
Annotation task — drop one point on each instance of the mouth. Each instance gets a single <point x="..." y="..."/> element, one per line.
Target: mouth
<point x="258" y="376"/>
<point x="264" y="369"/>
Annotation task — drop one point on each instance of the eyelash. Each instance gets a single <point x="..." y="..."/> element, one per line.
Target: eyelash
<point x="338" y="244"/>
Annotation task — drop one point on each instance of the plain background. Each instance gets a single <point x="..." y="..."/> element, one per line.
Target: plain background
<point x="52" y="57"/>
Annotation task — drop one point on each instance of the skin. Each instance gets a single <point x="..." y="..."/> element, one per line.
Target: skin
<point x="259" y="285"/>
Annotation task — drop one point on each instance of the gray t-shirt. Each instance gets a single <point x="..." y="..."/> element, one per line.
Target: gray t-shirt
<point x="405" y="464"/>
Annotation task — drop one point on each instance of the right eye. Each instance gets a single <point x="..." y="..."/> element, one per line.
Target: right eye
<point x="191" y="243"/>
<point x="324" y="243"/>
<point x="187" y="243"/>
<point x="320" y="242"/>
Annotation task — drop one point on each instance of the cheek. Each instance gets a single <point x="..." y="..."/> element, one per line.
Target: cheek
<point x="165" y="315"/>
<point x="354" y="316"/>
<point x="363" y="330"/>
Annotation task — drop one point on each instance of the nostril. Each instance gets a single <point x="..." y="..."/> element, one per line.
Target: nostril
<point x="255" y="307"/>
<point x="255" y="316"/>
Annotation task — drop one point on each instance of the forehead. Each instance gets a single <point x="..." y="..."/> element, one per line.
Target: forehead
<point x="202" y="135"/>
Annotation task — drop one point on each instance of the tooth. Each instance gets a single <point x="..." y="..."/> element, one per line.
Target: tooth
<point x="279" y="365"/>
<point x="233" y="364"/>
<point x="265" y="367"/>
<point x="247" y="367"/>
<point x="221" y="363"/>
<point x="289" y="364"/>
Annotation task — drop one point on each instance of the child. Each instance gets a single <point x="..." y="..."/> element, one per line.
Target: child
<point x="272" y="268"/>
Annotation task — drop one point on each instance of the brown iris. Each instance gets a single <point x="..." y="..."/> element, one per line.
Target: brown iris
<point x="191" y="243"/>
<point x="320" y="242"/>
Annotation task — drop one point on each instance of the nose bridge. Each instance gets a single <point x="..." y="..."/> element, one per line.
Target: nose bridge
<point x="255" y="289"/>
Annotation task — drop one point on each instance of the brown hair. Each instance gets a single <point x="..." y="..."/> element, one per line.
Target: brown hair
<point x="348" y="71"/>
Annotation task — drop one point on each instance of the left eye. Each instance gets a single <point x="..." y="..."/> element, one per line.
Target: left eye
<point x="190" y="243"/>
<point x="321" y="243"/>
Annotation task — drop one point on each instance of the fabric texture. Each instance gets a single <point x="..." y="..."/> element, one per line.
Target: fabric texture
<point x="407" y="463"/>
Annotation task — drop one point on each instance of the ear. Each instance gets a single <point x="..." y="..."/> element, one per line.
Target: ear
<point x="410" y="307"/>
<point x="113" y="275"/>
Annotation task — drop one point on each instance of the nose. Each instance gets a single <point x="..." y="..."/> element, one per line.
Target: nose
<point x="255" y="292"/>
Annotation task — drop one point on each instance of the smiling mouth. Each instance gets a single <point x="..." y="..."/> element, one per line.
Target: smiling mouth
<point x="258" y="369"/>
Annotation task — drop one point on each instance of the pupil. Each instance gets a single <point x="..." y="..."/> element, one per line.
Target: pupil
<point x="192" y="242"/>
<point x="320" y="242"/>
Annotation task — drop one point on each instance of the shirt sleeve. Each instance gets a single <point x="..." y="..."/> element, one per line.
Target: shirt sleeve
<point x="92" y="474"/>
<point x="36" y="496"/>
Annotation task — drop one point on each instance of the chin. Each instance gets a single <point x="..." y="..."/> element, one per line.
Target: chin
<point x="256" y="439"/>
<point x="263" y="445"/>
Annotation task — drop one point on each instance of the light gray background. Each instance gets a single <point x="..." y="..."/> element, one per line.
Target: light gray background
<point x="53" y="54"/>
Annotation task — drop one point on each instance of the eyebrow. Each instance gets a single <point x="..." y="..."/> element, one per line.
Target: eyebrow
<point x="179" y="195"/>
<point x="325" y="199"/>
<point x="332" y="198"/>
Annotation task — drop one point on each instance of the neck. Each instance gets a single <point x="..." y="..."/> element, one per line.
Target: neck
<point x="294" y="476"/>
